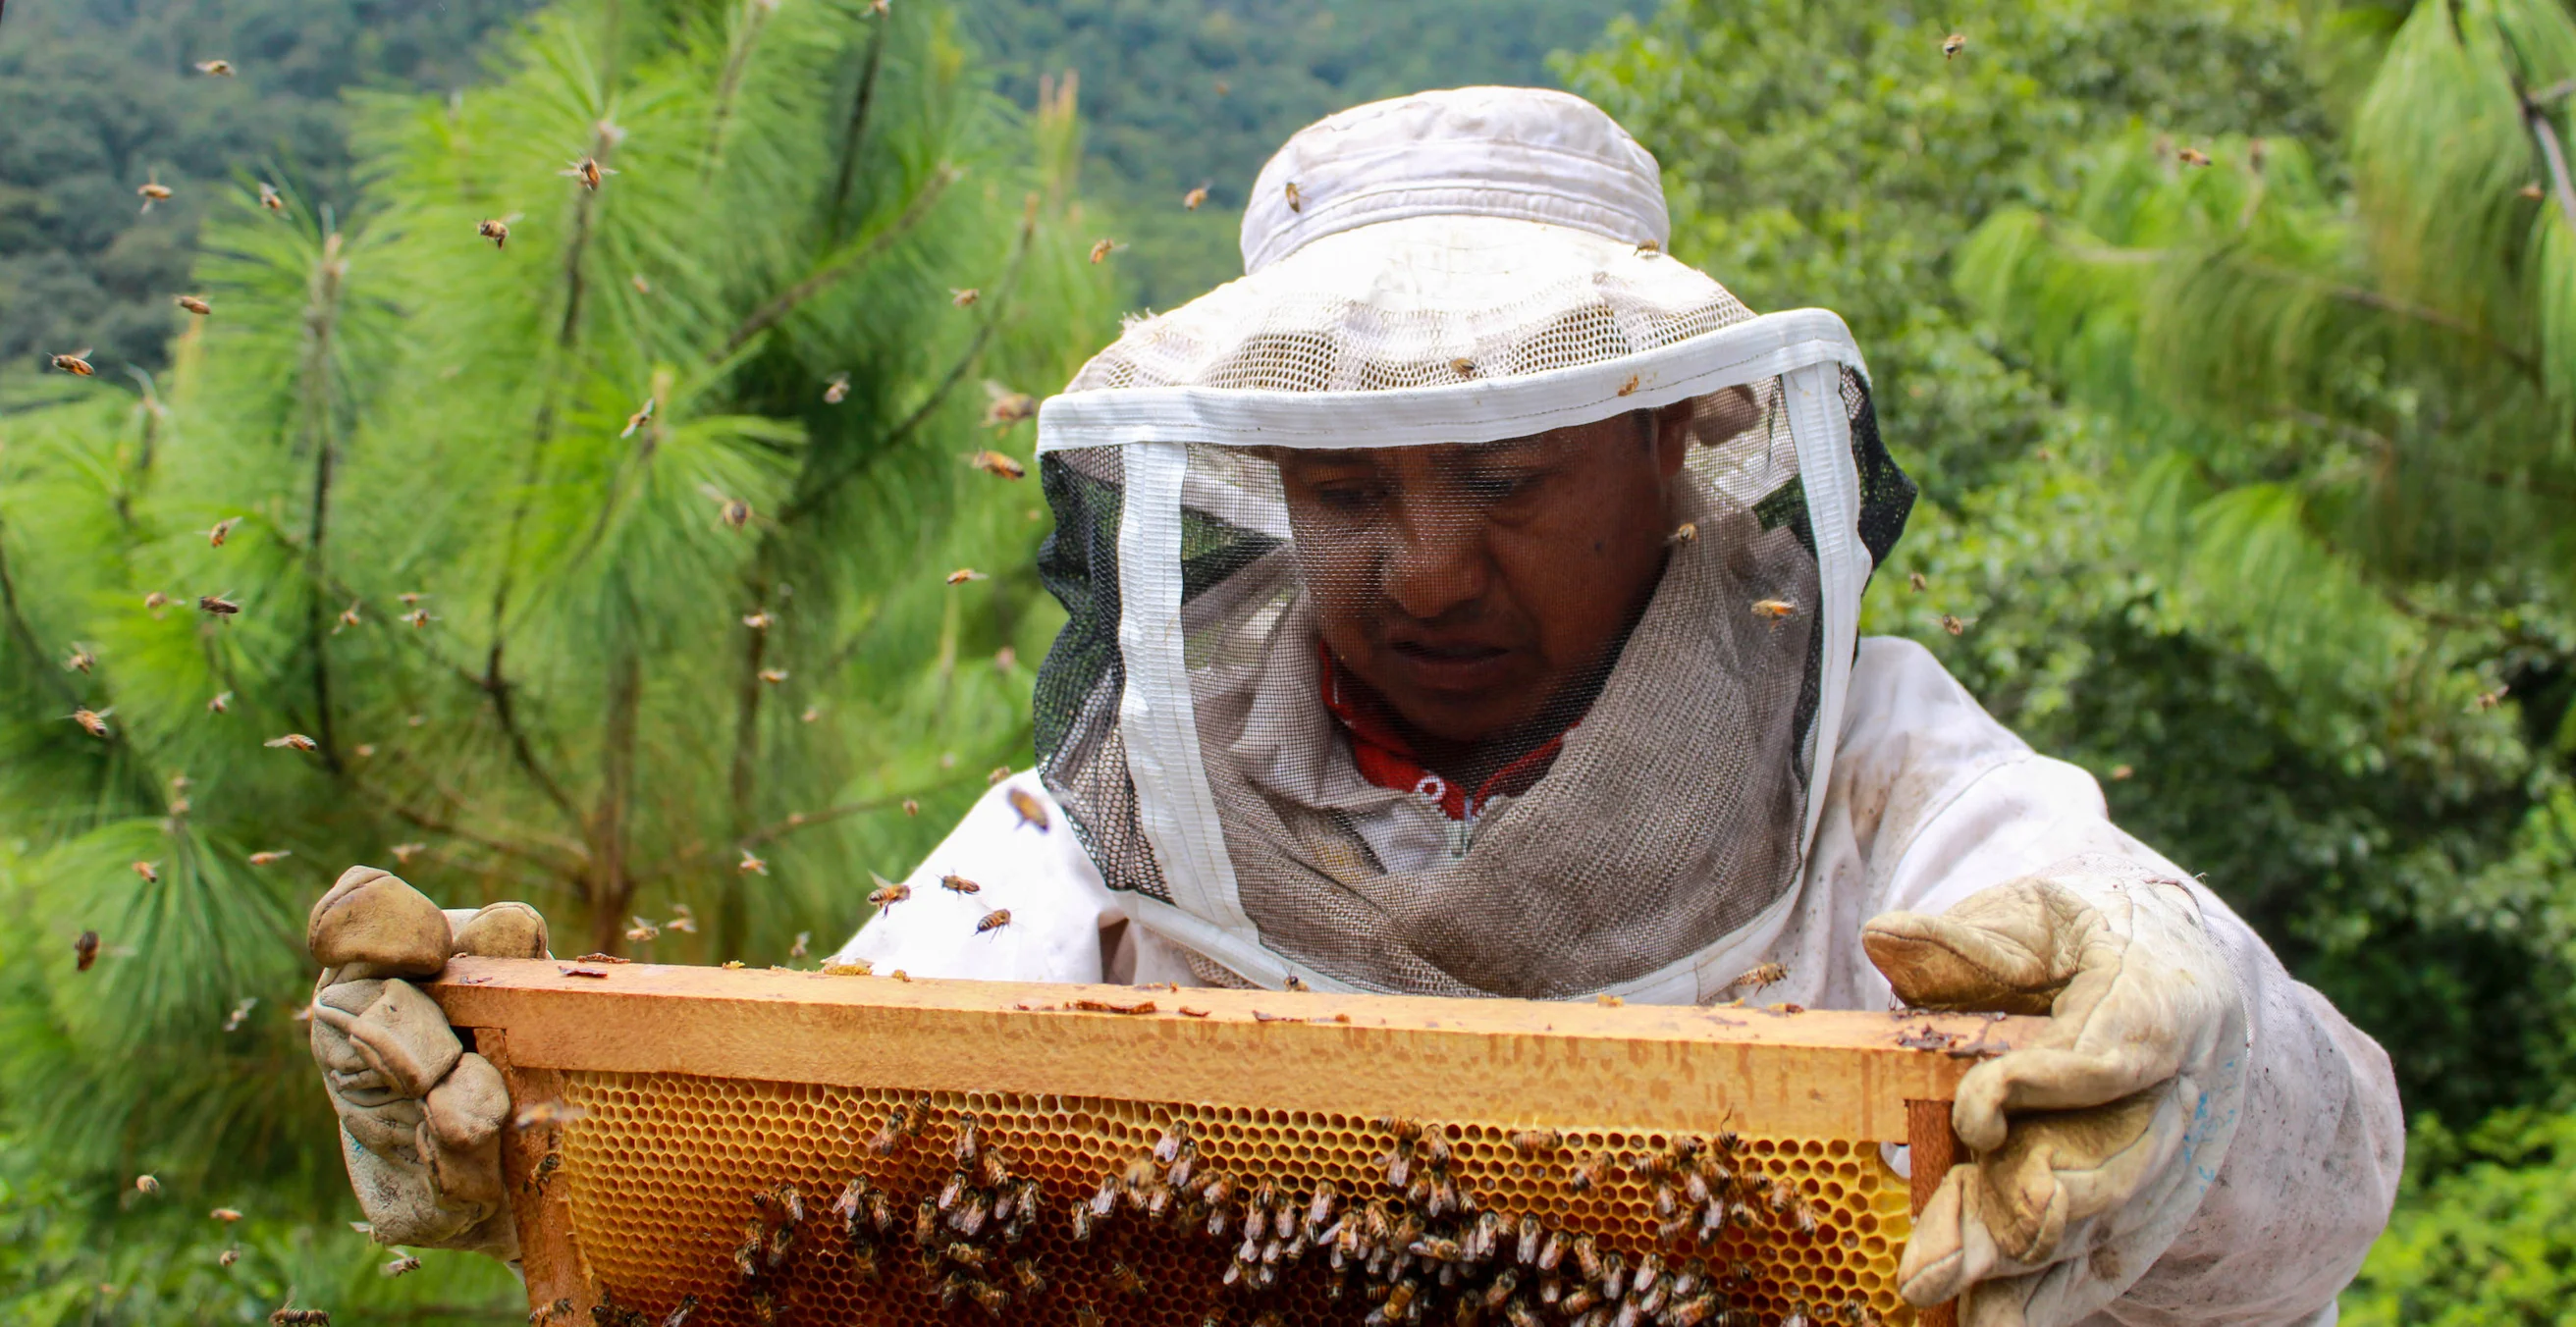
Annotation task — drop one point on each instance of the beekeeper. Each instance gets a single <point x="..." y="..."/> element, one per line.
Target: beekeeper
<point x="1464" y="602"/>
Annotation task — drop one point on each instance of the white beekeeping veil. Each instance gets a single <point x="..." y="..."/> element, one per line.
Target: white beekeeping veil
<point x="1462" y="601"/>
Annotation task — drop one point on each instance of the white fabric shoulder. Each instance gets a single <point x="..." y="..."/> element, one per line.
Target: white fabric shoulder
<point x="1040" y="874"/>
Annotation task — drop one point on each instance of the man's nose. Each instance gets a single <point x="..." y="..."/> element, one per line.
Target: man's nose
<point x="1439" y="562"/>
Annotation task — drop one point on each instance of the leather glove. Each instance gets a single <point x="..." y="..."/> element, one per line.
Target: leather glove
<point x="2094" y="1141"/>
<point x="420" y="1116"/>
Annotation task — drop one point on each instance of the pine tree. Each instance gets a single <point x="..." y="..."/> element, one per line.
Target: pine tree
<point x="675" y="458"/>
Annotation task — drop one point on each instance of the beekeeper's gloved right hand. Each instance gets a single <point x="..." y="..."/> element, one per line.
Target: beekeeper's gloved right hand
<point x="420" y="1116"/>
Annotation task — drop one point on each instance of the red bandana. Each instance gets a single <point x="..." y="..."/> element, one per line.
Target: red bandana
<point x="1387" y="760"/>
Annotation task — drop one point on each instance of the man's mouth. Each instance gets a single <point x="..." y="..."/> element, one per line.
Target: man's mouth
<point x="1452" y="665"/>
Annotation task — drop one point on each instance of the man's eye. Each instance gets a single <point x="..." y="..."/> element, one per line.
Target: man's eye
<point x="1494" y="487"/>
<point x="1347" y="497"/>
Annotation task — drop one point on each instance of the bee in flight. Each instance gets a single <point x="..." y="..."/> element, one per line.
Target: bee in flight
<point x="1952" y="45"/>
<point x="294" y="741"/>
<point x="588" y="171"/>
<point x="1190" y="201"/>
<point x="496" y="229"/>
<point x="751" y="865"/>
<point x="196" y="305"/>
<point x="152" y="191"/>
<point x="76" y="363"/>
<point x="965" y="574"/>
<point x="995" y="463"/>
<point x="215" y="68"/>
<point x="1776" y="610"/>
<point x="994" y="921"/>
<point x="269" y="197"/>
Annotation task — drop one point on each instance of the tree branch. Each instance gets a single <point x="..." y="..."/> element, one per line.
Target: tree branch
<point x="768" y="315"/>
<point x="852" y="135"/>
<point x="321" y="323"/>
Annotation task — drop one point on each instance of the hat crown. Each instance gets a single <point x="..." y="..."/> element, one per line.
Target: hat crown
<point x="1524" y="154"/>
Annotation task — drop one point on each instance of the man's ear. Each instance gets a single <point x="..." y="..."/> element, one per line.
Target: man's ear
<point x="1672" y="438"/>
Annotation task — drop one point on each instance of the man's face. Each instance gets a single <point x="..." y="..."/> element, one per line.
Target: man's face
<point x="1469" y="585"/>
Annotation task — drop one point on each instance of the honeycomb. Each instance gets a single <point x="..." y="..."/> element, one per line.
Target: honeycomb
<point x="668" y="1176"/>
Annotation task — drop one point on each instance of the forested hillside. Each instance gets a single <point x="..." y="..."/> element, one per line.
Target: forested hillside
<point x="99" y="99"/>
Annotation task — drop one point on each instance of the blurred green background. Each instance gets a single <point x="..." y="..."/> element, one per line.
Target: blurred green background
<point x="2233" y="344"/>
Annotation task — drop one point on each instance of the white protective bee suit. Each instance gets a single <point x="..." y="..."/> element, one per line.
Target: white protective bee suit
<point x="2200" y="1138"/>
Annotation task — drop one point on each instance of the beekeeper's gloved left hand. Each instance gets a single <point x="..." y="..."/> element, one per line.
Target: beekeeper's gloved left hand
<point x="2094" y="1140"/>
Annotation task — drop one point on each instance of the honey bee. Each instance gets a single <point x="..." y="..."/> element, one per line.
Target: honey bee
<point x="232" y="1023"/>
<point x="797" y="949"/>
<point x="1463" y="367"/>
<point x="81" y="660"/>
<point x="147" y="1186"/>
<point x="1952" y="624"/>
<point x="1918" y="582"/>
<point x="642" y="416"/>
<point x="732" y="512"/>
<point x="994" y="920"/>
<point x="1608" y="1001"/>
<point x="85" y="950"/>
<point x="911" y="807"/>
<point x="348" y="617"/>
<point x="995" y="463"/>
<point x="1630" y="386"/>
<point x="965" y="574"/>
<point x="642" y="286"/>
<point x="496" y="229"/>
<point x="1124" y="1279"/>
<point x="1591" y="1173"/>
<point x="76" y="363"/>
<point x="1026" y="805"/>
<point x="215" y="68"/>
<point x="398" y="1266"/>
<point x="1190" y="201"/>
<point x="964" y="297"/>
<point x="416" y="618"/>
<point x="812" y="712"/>
<point x="1650" y="247"/>
<point x="2486" y="701"/>
<point x="2122" y="773"/>
<point x="1952" y="45"/>
<point x="299" y="1318"/>
<point x="2192" y="156"/>
<point x="1528" y="1141"/>
<point x="588" y="171"/>
<point x="746" y="1255"/>
<point x="750" y="865"/>
<point x="404" y="852"/>
<point x="760" y="621"/>
<point x="2529" y="191"/>
<point x="153" y="191"/>
<point x="1085" y="1316"/>
<point x="1683" y="533"/>
<point x="1775" y="609"/>
<point x="1296" y="200"/>
<point x="220" y="703"/>
<point x="959" y="884"/>
<point x="887" y="893"/>
<point x="217" y="605"/>
<point x="412" y="598"/>
<point x="994" y="776"/>
<point x="195" y="304"/>
<point x="773" y="676"/>
<point x="1004" y="407"/>
<point x="95" y="721"/>
<point x="643" y="932"/>
<point x="151" y="874"/>
<point x="1101" y="250"/>
<point x="269" y="197"/>
<point x="679" y="1314"/>
<point x="546" y="1114"/>
<point x="1761" y="977"/>
<point x="155" y="602"/>
<point x="227" y="1258"/>
<point x="836" y="389"/>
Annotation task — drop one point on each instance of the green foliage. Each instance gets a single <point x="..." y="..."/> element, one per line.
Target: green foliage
<point x="540" y="439"/>
<point x="1185" y="93"/>
<point x="2488" y="1238"/>
<point x="96" y="96"/>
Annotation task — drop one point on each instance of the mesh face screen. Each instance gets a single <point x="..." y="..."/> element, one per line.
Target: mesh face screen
<point x="671" y="1178"/>
<point x="1529" y="718"/>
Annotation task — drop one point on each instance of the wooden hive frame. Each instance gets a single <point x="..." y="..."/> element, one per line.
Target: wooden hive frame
<point x="696" y="1087"/>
